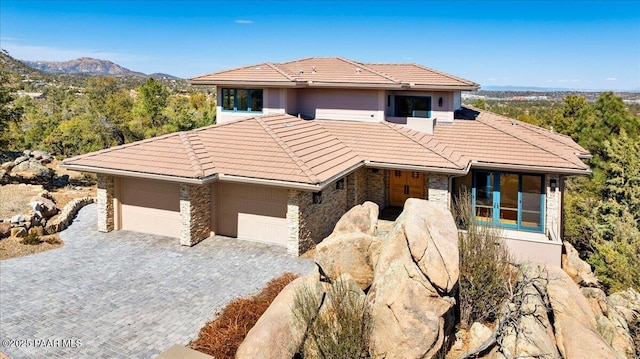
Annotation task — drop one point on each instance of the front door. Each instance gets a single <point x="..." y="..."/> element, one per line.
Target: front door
<point x="404" y="185"/>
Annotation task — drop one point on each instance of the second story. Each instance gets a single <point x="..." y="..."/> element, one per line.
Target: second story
<point x="339" y="89"/>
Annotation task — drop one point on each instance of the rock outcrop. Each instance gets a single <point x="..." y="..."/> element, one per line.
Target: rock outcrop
<point x="277" y="335"/>
<point x="409" y="303"/>
<point x="348" y="248"/>
<point x="579" y="270"/>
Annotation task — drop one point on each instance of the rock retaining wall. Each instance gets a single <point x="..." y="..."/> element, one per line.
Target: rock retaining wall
<point x="67" y="215"/>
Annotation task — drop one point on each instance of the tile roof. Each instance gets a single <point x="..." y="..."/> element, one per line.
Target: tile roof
<point x="332" y="71"/>
<point x="285" y="148"/>
<point x="489" y="138"/>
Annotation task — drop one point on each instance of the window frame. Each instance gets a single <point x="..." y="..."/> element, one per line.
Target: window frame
<point x="412" y="104"/>
<point x="250" y="97"/>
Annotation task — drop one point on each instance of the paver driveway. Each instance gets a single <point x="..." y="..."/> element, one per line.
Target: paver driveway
<point x="124" y="294"/>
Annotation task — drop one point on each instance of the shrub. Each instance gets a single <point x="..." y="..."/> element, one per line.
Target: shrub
<point x="32" y="239"/>
<point x="339" y="329"/>
<point x="484" y="266"/>
<point x="222" y="336"/>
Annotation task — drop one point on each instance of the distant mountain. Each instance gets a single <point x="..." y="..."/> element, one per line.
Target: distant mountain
<point x="160" y="76"/>
<point x="83" y="65"/>
<point x="548" y="89"/>
<point x="16" y="66"/>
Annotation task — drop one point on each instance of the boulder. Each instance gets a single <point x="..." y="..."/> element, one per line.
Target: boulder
<point x="579" y="270"/>
<point x="623" y="309"/>
<point x="478" y="333"/>
<point x="409" y="310"/>
<point x="18" y="218"/>
<point x="20" y="159"/>
<point x="7" y="166"/>
<point x="31" y="169"/>
<point x="5" y="229"/>
<point x="38" y="154"/>
<point x="27" y="153"/>
<point x="46" y="158"/>
<point x="44" y="207"/>
<point x="574" y="322"/>
<point x="346" y="253"/>
<point x="361" y="218"/>
<point x="18" y="232"/>
<point x="277" y="335"/>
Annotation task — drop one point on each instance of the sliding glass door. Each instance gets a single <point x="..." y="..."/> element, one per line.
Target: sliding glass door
<point x="509" y="200"/>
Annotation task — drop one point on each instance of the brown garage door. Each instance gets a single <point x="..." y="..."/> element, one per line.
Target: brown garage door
<point x="251" y="212"/>
<point x="150" y="207"/>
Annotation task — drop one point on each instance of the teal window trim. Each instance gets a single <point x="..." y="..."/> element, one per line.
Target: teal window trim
<point x="496" y="200"/>
<point x="233" y="92"/>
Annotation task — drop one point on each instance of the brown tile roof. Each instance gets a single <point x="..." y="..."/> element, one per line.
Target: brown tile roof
<point x="286" y="148"/>
<point x="498" y="140"/>
<point x="334" y="71"/>
<point x="273" y="147"/>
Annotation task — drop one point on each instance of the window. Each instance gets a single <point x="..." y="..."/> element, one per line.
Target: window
<point x="504" y="199"/>
<point x="242" y="100"/>
<point x="340" y="183"/>
<point x="413" y="106"/>
<point x="317" y="197"/>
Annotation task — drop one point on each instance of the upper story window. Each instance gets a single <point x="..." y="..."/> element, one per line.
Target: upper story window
<point x="242" y="100"/>
<point x="413" y="106"/>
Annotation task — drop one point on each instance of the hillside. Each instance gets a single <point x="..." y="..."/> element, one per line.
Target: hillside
<point x="17" y="67"/>
<point x="83" y="65"/>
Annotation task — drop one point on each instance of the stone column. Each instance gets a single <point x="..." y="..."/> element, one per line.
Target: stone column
<point x="105" y="203"/>
<point x="195" y="213"/>
<point x="293" y="222"/>
<point x="439" y="189"/>
<point x="552" y="207"/>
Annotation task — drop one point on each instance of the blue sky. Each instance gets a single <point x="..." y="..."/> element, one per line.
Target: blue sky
<point x="579" y="44"/>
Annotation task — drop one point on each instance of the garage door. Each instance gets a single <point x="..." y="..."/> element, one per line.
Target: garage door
<point x="251" y="212"/>
<point x="150" y="207"/>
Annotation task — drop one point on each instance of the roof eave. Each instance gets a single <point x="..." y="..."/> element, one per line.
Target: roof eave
<point x="443" y="87"/>
<point x="144" y="175"/>
<point x="326" y="84"/>
<point x="540" y="169"/>
<point x="396" y="166"/>
<point x="243" y="83"/>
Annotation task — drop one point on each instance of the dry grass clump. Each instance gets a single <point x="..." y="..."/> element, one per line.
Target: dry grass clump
<point x="12" y="248"/>
<point x="222" y="336"/>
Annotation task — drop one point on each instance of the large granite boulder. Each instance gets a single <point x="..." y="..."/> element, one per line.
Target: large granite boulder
<point x="579" y="270"/>
<point x="348" y="248"/>
<point x="361" y="218"/>
<point x="31" y="169"/>
<point x="44" y="207"/>
<point x="409" y="301"/>
<point x="277" y="334"/>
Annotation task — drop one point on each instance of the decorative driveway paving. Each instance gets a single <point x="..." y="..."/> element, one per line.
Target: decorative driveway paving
<point x="125" y="294"/>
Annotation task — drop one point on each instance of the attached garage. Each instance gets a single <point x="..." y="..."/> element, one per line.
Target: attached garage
<point x="252" y="212"/>
<point x="149" y="206"/>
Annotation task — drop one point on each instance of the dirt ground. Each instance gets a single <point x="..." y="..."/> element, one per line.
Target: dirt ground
<point x="15" y="197"/>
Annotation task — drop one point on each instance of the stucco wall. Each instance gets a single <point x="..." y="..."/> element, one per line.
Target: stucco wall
<point x="105" y="195"/>
<point x="341" y="104"/>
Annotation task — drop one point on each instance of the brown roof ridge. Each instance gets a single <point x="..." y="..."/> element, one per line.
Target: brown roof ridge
<point x="397" y="128"/>
<point x="275" y="67"/>
<point x="445" y="74"/>
<point x="500" y="127"/>
<point x="360" y="64"/>
<point x="235" y="69"/>
<point x="301" y="164"/>
<point x="195" y="162"/>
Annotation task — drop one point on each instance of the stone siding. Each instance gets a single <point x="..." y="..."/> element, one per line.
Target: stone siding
<point x="294" y="198"/>
<point x="195" y="213"/>
<point x="314" y="221"/>
<point x="105" y="203"/>
<point x="438" y="190"/>
<point x="553" y="208"/>
<point x="378" y="187"/>
<point x="356" y="187"/>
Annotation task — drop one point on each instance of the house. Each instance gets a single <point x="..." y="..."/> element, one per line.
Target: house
<point x="299" y="143"/>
